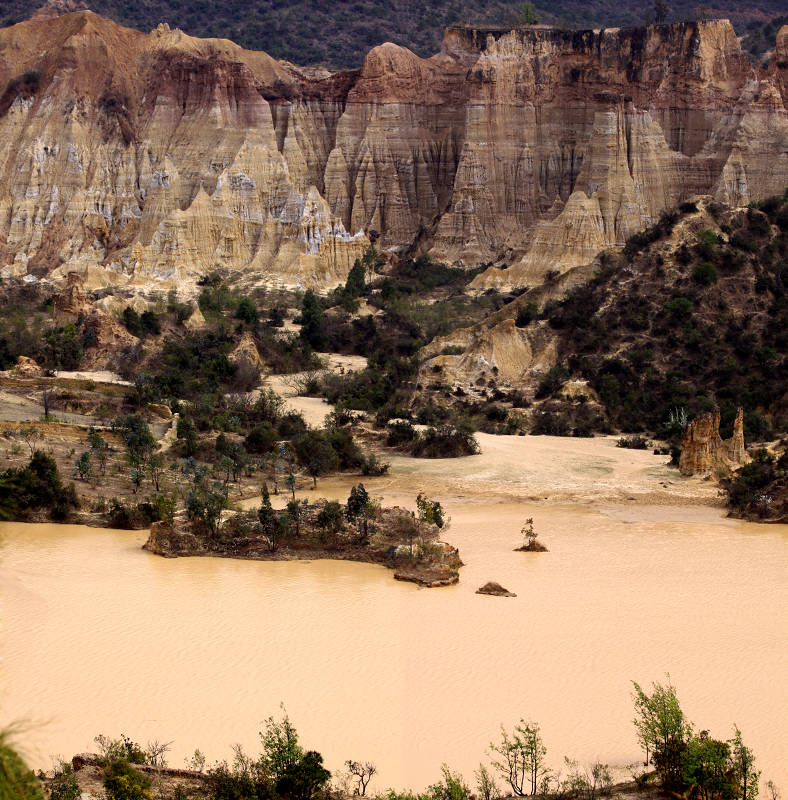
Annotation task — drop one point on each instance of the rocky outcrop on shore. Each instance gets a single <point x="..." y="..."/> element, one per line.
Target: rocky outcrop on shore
<point x="704" y="451"/>
<point x="149" y="159"/>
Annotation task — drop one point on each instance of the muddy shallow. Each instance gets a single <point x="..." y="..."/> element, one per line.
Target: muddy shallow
<point x="102" y="637"/>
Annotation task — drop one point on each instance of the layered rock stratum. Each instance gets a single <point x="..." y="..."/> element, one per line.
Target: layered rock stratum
<point x="703" y="450"/>
<point x="150" y="159"/>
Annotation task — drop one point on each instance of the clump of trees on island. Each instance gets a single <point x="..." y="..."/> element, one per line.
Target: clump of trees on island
<point x="681" y="760"/>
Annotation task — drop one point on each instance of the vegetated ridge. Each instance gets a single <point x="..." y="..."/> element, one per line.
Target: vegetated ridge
<point x="339" y="34"/>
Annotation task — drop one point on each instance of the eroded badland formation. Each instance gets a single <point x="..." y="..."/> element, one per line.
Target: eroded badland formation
<point x="149" y="159"/>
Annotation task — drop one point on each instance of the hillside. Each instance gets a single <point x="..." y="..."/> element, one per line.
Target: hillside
<point x="145" y="161"/>
<point x="692" y="315"/>
<point x="339" y="34"/>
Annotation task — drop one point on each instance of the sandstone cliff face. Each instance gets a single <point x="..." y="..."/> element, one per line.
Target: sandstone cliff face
<point x="704" y="451"/>
<point x="150" y="159"/>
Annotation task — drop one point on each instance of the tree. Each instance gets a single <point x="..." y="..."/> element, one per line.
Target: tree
<point x="281" y="749"/>
<point x="706" y="768"/>
<point x="363" y="772"/>
<point x="30" y="435"/>
<point x="154" y="466"/>
<point x="138" y="439"/>
<point x="521" y="758"/>
<point x="301" y="780"/>
<point x="662" y="730"/>
<point x="316" y="454"/>
<point x="313" y="322"/>
<point x="261" y="439"/>
<point x="187" y="431"/>
<point x="99" y="448"/>
<point x="269" y="520"/>
<point x="744" y="767"/>
<point x="430" y="511"/>
<point x="525" y="14"/>
<point x="486" y="787"/>
<point x="528" y="533"/>
<point x="294" y="509"/>
<point x="661" y="11"/>
<point x="82" y="466"/>
<point x="247" y="312"/>
<point x="356" y="285"/>
<point x="205" y="503"/>
<point x="329" y="519"/>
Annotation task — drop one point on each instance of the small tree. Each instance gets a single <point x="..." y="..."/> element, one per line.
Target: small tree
<point x="329" y="519"/>
<point x="661" y="11"/>
<point x="64" y="784"/>
<point x="486" y="787"/>
<point x="316" y="454"/>
<point x="662" y="730"/>
<point x="294" y="509"/>
<point x="451" y="787"/>
<point x="269" y="520"/>
<point x="281" y="749"/>
<point x="362" y="772"/>
<point x="247" y="312"/>
<point x="154" y="466"/>
<point x="205" y="503"/>
<point x="30" y="435"/>
<point x="83" y="469"/>
<point x="744" y="767"/>
<point x="528" y="533"/>
<point x="520" y="758"/>
<point x="99" y="449"/>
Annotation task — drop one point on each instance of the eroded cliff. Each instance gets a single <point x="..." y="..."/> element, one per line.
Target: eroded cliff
<point x="149" y="159"/>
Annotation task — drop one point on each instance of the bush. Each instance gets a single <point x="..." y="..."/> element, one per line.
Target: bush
<point x="526" y="314"/>
<point x="261" y="439"/>
<point x="634" y="442"/>
<point x="445" y="442"/>
<point x="37" y="486"/>
<point x="705" y="274"/>
<point x="123" y="782"/>
<point x="400" y="433"/>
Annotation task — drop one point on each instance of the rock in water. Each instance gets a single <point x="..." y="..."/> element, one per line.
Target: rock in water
<point x="495" y="589"/>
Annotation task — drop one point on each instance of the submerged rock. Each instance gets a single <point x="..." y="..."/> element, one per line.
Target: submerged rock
<point x="495" y="589"/>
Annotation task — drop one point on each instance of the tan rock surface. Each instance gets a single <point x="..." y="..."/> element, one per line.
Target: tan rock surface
<point x="704" y="451"/>
<point x="27" y="368"/>
<point x="147" y="160"/>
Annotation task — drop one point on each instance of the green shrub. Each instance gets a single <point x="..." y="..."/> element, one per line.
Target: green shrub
<point x="446" y="441"/>
<point x="123" y="782"/>
<point x="705" y="273"/>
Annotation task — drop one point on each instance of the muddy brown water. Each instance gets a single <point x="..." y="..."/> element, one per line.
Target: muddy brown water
<point x="101" y="637"/>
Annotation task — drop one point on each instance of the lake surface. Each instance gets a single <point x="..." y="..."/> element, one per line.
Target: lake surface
<point x="101" y="637"/>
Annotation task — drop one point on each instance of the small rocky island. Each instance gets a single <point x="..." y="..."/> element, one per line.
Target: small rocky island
<point x="360" y="530"/>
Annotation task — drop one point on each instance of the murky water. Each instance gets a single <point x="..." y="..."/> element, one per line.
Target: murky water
<point x="99" y="636"/>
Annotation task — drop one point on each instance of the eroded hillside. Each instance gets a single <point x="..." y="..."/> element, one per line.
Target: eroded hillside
<point x="147" y="160"/>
